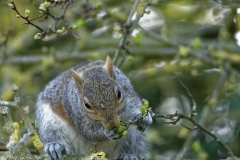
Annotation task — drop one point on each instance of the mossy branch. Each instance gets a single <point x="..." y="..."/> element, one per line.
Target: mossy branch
<point x="14" y="142"/>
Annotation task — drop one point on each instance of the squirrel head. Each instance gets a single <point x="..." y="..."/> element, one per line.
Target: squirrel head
<point x="100" y="93"/>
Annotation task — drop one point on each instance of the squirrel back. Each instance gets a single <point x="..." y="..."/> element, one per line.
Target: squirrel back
<point x="78" y="110"/>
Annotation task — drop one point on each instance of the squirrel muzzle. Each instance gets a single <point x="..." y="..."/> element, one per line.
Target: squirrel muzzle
<point x="111" y="123"/>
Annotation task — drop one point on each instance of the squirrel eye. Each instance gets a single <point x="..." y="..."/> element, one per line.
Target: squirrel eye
<point x="86" y="104"/>
<point x="119" y="95"/>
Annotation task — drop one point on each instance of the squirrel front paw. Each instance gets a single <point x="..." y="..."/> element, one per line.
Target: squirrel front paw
<point x="143" y="123"/>
<point x="55" y="150"/>
<point x="126" y="157"/>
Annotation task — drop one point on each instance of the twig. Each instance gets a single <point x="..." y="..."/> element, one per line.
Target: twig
<point x="194" y="108"/>
<point x="125" y="31"/>
<point x="25" y="18"/>
<point x="9" y="104"/>
<point x="46" y="13"/>
<point x="221" y="79"/>
<point x="3" y="149"/>
<point x="139" y="16"/>
<point x="62" y="15"/>
<point x="127" y="41"/>
<point x="179" y="116"/>
<point x="124" y="56"/>
<point x="174" y="118"/>
<point x="159" y="38"/>
<point x="189" y="128"/>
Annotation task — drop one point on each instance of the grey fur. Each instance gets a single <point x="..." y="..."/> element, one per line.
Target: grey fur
<point x="87" y="134"/>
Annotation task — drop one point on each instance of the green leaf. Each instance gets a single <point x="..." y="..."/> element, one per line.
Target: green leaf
<point x="143" y="109"/>
<point x="124" y="133"/>
<point x="120" y="128"/>
<point x="145" y="102"/>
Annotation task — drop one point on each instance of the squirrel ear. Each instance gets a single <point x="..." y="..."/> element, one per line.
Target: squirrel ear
<point x="108" y="67"/>
<point x="77" y="77"/>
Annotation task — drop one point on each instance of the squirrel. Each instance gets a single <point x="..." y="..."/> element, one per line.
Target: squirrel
<point x="79" y="109"/>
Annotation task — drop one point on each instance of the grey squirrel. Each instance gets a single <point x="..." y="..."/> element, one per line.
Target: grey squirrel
<point x="78" y="111"/>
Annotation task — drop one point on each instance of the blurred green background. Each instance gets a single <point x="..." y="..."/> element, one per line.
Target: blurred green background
<point x="195" y="41"/>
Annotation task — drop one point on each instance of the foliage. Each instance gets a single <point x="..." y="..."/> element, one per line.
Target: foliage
<point x="158" y="44"/>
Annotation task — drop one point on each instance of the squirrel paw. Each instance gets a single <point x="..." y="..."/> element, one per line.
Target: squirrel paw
<point x="112" y="134"/>
<point x="54" y="150"/>
<point x="126" y="157"/>
<point x="145" y="122"/>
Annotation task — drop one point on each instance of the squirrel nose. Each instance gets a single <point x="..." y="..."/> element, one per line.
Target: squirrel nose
<point x="111" y="123"/>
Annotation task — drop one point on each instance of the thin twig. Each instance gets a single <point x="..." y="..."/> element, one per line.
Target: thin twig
<point x="189" y="128"/>
<point x="212" y="134"/>
<point x="160" y="38"/>
<point x="3" y="149"/>
<point x="9" y="104"/>
<point x="221" y="79"/>
<point x="46" y="13"/>
<point x="125" y="31"/>
<point x="25" y="18"/>
<point x="139" y="16"/>
<point x="194" y="108"/>
<point x="62" y="15"/>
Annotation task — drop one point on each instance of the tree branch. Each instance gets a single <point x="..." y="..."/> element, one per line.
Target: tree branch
<point x="127" y="30"/>
<point x="174" y="118"/>
<point x="25" y="17"/>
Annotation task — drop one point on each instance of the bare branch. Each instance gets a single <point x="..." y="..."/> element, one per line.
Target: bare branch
<point x="12" y="145"/>
<point x="62" y="15"/>
<point x="127" y="30"/>
<point x="179" y="116"/>
<point x="189" y="128"/>
<point x="25" y="17"/>
<point x="8" y="104"/>
<point x="221" y="79"/>
<point x="194" y="108"/>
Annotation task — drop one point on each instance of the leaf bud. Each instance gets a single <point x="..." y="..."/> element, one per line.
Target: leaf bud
<point x="27" y="12"/>
<point x="46" y="5"/>
<point x="38" y="36"/>
<point x="50" y="27"/>
<point x="10" y="5"/>
<point x="59" y="31"/>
